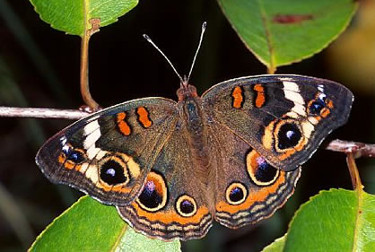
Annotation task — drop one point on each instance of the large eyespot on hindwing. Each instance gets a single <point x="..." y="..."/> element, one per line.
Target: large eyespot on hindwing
<point x="71" y="157"/>
<point x="154" y="195"/>
<point x="236" y="193"/>
<point x="259" y="170"/>
<point x="186" y="206"/>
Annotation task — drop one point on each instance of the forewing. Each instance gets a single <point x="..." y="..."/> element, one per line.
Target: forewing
<point x="108" y="154"/>
<point x="283" y="117"/>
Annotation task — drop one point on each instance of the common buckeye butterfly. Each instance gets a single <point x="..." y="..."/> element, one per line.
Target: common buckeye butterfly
<point x="232" y="154"/>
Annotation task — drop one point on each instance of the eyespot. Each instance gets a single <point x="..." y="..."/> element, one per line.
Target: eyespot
<point x="236" y="193"/>
<point x="71" y="157"/>
<point x="288" y="135"/>
<point x="317" y="105"/>
<point x="259" y="170"/>
<point x="186" y="206"/>
<point x="76" y="156"/>
<point x="154" y="194"/>
<point x="113" y="171"/>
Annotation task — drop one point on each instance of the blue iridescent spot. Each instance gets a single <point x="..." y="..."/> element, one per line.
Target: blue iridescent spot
<point x="186" y="207"/>
<point x="72" y="155"/>
<point x="265" y="172"/>
<point x="76" y="157"/>
<point x="318" y="105"/>
<point x="149" y="196"/>
<point x="236" y="194"/>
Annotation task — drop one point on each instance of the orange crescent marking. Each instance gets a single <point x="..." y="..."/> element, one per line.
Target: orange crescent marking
<point x="330" y="104"/>
<point x="67" y="163"/>
<point x="237" y="97"/>
<point x="325" y="112"/>
<point x="290" y="152"/>
<point x="253" y="162"/>
<point x="61" y="158"/>
<point x="143" y="117"/>
<point x="118" y="188"/>
<point x="122" y="124"/>
<point x="260" y="97"/>
<point x="78" y="167"/>
<point x="170" y="216"/>
<point x="318" y="118"/>
<point x="256" y="196"/>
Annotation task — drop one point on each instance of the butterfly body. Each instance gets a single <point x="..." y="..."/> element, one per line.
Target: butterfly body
<point x="232" y="155"/>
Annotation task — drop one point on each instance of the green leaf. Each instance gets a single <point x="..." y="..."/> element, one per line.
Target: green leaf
<point x="334" y="220"/>
<point x="133" y="241"/>
<point x="73" y="16"/>
<point x="280" y="32"/>
<point x="90" y="226"/>
<point x="276" y="246"/>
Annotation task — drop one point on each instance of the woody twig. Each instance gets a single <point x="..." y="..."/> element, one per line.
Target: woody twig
<point x="358" y="149"/>
<point x="43" y="113"/>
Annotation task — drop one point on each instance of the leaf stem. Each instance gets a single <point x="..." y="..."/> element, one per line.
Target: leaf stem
<point x="84" y="72"/>
<point x="354" y="174"/>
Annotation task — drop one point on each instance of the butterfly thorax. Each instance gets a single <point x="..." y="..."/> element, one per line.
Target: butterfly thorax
<point x="190" y="106"/>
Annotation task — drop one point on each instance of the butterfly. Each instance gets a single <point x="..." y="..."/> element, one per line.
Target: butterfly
<point x="232" y="155"/>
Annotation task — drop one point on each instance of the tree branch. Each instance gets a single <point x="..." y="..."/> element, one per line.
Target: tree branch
<point x="357" y="148"/>
<point x="45" y="113"/>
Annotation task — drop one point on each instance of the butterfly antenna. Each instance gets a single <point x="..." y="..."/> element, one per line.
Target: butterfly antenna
<point x="161" y="52"/>
<point x="204" y="25"/>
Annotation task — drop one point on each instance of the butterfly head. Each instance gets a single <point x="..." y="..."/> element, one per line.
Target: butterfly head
<point x="186" y="90"/>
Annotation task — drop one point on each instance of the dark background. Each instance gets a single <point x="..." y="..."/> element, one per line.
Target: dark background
<point x="39" y="67"/>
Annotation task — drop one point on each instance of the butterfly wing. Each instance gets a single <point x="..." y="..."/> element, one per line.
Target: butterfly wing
<point x="109" y="153"/>
<point x="283" y="117"/>
<point x="174" y="202"/>
<point x="247" y="188"/>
